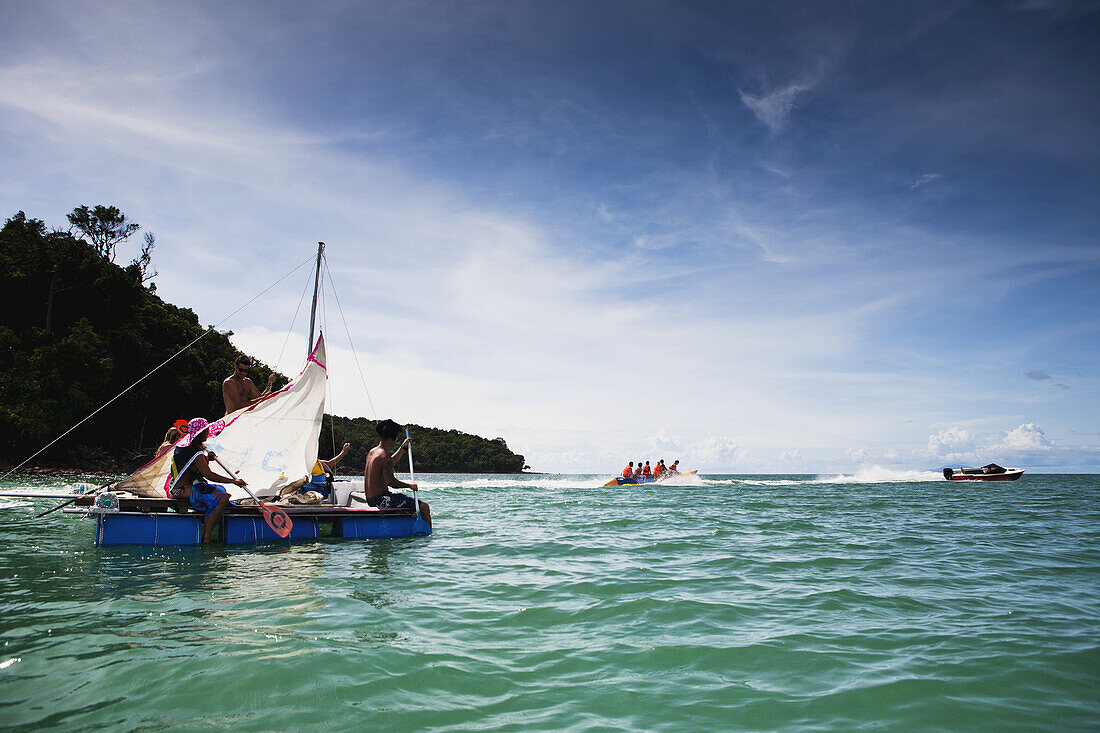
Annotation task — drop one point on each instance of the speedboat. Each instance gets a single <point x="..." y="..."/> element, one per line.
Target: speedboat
<point x="990" y="472"/>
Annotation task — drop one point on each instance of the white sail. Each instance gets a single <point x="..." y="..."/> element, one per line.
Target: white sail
<point x="272" y="443"/>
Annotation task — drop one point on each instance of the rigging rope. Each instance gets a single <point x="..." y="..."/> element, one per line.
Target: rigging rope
<point x="354" y="353"/>
<point x="155" y="369"/>
<point x="328" y="382"/>
<point x="290" y="330"/>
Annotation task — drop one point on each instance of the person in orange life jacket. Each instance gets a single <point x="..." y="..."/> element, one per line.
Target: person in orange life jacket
<point x="660" y="468"/>
<point x="646" y="470"/>
<point x="629" y="470"/>
<point x="674" y="467"/>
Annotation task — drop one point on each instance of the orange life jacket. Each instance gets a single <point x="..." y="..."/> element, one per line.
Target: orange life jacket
<point x="628" y="472"/>
<point x="646" y="471"/>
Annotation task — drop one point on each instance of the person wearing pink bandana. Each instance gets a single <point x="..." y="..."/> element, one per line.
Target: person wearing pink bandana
<point x="191" y="475"/>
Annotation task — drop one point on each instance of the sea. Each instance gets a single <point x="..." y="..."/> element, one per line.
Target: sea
<point x="877" y="601"/>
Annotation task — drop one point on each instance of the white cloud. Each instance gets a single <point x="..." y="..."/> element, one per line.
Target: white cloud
<point x="1027" y="437"/>
<point x="716" y="451"/>
<point x="950" y="442"/>
<point x="856" y="454"/>
<point x="661" y="445"/>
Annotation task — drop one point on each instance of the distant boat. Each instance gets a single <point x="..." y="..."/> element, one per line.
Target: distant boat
<point x="624" y="481"/>
<point x="990" y="472"/>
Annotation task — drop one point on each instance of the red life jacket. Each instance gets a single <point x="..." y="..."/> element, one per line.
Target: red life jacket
<point x="628" y="472"/>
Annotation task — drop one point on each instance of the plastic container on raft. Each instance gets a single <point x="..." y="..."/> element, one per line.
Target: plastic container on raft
<point x="362" y="527"/>
<point x="159" y="529"/>
<point x="239" y="530"/>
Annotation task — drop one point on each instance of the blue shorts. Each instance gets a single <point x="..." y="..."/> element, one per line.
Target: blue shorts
<point x="205" y="497"/>
<point x="390" y="500"/>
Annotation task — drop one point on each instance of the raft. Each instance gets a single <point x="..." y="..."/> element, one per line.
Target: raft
<point x="169" y="522"/>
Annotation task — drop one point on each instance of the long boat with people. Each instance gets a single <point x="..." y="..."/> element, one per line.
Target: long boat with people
<point x="255" y="475"/>
<point x="646" y="474"/>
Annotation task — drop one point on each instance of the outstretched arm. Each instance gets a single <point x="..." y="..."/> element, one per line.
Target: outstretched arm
<point x="203" y="467"/>
<point x="331" y="463"/>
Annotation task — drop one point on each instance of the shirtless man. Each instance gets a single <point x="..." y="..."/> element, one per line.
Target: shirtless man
<point x="378" y="475"/>
<point x="238" y="390"/>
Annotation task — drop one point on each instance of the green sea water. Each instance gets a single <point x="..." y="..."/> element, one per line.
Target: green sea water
<point x="552" y="603"/>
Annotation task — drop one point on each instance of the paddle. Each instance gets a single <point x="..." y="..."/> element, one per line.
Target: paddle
<point x="420" y="526"/>
<point x="412" y="474"/>
<point x="275" y="517"/>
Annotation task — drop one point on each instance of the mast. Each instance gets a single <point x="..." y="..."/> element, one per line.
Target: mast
<point x="316" y="287"/>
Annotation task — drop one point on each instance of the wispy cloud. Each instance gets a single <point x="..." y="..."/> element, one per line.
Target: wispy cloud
<point x="774" y="107"/>
<point x="1038" y="375"/>
<point x="924" y="180"/>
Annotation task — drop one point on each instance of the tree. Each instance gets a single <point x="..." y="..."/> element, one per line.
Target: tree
<point x="104" y="226"/>
<point x="142" y="262"/>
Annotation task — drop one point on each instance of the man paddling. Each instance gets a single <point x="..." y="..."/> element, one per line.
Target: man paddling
<point x="378" y="475"/>
<point x="189" y="466"/>
<point x="238" y="390"/>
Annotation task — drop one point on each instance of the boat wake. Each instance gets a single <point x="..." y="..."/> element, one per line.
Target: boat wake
<point x="865" y="475"/>
<point x="880" y="475"/>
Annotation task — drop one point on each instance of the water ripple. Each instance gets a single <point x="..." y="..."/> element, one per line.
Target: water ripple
<point x="552" y="603"/>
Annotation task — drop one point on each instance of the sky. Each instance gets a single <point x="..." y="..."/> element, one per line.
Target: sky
<point x="781" y="237"/>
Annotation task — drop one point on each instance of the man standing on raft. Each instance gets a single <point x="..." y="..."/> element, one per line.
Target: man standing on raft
<point x="378" y="473"/>
<point x="238" y="390"/>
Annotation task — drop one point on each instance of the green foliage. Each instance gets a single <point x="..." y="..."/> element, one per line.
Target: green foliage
<point x="104" y="226"/>
<point x="434" y="450"/>
<point x="79" y="329"/>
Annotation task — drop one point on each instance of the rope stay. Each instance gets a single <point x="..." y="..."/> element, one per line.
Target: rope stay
<point x="301" y="299"/>
<point x="154" y="370"/>
<point x="354" y="351"/>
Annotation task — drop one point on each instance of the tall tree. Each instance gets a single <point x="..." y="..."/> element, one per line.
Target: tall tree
<point x="104" y="227"/>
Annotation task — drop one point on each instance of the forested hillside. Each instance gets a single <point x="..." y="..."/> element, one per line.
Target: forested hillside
<point x="76" y="329"/>
<point x="434" y="450"/>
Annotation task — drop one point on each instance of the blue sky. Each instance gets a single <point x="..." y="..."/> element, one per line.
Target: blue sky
<point x="807" y="237"/>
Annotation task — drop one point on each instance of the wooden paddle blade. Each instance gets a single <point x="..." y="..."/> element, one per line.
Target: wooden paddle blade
<point x="277" y="519"/>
